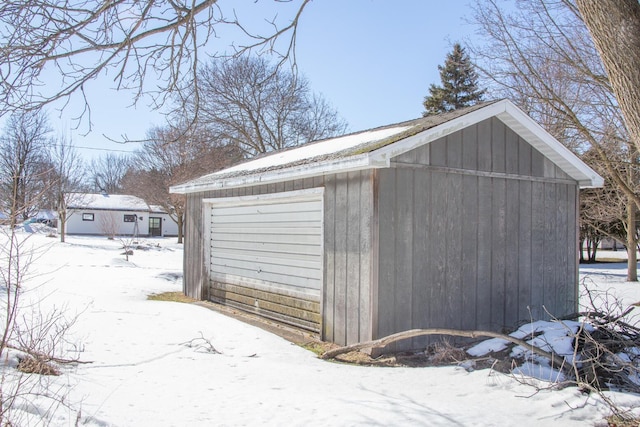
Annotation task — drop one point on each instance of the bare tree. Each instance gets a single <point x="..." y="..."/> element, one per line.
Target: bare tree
<point x="66" y="179"/>
<point x="131" y="41"/>
<point x="172" y="156"/>
<point x="109" y="224"/>
<point x="108" y="172"/>
<point x="542" y="56"/>
<point x="23" y="148"/>
<point x="253" y="104"/>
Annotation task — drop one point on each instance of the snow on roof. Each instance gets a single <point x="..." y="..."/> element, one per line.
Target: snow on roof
<point x="116" y="202"/>
<point x="374" y="148"/>
<point x="314" y="150"/>
<point x="157" y="209"/>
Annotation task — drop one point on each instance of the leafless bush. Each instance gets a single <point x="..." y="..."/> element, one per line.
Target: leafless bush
<point x="609" y="350"/>
<point x="45" y="336"/>
<point x="34" y="342"/>
<point x="443" y="352"/>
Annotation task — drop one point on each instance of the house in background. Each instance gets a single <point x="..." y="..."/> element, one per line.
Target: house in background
<point x="464" y="220"/>
<point x="117" y="215"/>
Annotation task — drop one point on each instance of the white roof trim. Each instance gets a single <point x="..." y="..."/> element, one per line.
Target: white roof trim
<point x="504" y="110"/>
<point x="309" y="170"/>
<point x="515" y="119"/>
<point x="550" y="147"/>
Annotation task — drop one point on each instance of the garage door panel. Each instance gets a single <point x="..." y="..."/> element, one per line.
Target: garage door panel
<point x="297" y="256"/>
<point x="305" y="239"/>
<point x="271" y="247"/>
<point x="258" y="230"/>
<point x="292" y="277"/>
<point x="252" y="259"/>
<point x="269" y="218"/>
<point x="267" y="208"/>
<point x="274" y="248"/>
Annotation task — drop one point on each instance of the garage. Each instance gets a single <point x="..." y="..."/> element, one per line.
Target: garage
<point x="464" y="220"/>
<point x="265" y="254"/>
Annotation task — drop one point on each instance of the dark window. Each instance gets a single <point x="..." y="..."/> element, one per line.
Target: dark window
<point x="87" y="217"/>
<point x="130" y="218"/>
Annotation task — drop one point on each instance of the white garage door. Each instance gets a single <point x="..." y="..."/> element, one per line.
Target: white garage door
<point x="271" y="242"/>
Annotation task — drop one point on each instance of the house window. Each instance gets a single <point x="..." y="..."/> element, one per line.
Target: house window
<point x="87" y="217"/>
<point x="130" y="218"/>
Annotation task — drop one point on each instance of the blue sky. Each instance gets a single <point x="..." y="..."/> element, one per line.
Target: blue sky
<point x="373" y="60"/>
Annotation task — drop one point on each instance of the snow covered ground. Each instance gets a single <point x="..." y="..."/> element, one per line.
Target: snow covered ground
<point x="150" y="367"/>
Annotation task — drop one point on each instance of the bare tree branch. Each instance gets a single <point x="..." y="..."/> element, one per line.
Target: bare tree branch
<point x="150" y="48"/>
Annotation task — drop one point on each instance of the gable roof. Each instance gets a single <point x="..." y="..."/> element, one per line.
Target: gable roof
<point x="376" y="147"/>
<point x="111" y="202"/>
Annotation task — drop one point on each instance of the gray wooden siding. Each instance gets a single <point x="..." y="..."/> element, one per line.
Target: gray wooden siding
<point x="347" y="310"/>
<point x="194" y="281"/>
<point x="485" y="238"/>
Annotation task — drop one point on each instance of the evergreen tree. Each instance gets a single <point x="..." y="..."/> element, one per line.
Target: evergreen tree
<point x="459" y="85"/>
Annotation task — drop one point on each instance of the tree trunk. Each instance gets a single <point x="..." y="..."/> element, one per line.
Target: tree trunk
<point x="632" y="242"/>
<point x="615" y="28"/>
<point x="180" y="227"/>
<point x="62" y="218"/>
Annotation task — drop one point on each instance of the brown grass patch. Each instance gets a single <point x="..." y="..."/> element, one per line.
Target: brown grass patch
<point x="171" y="296"/>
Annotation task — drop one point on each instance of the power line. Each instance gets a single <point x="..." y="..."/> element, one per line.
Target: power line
<point x="101" y="149"/>
<point x="94" y="148"/>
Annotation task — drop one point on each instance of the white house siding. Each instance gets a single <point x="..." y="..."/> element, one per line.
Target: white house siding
<point x="106" y="222"/>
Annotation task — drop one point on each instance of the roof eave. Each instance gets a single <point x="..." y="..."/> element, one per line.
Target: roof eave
<point x="308" y="170"/>
<point x="550" y="147"/>
<point x="504" y="110"/>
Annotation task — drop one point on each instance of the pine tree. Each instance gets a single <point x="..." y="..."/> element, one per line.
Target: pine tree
<point x="459" y="84"/>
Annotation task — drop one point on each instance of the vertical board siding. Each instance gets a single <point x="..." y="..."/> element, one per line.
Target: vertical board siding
<point x="525" y="248"/>
<point x="193" y="261"/>
<point x="422" y="214"/>
<point x="453" y="271"/>
<point x="469" y="255"/>
<point x="538" y="223"/>
<point x="512" y="254"/>
<point x="347" y="312"/>
<point x="352" y="305"/>
<point x="340" y="256"/>
<point x="483" y="266"/>
<point x="403" y="249"/>
<point x="365" y="219"/>
<point x="485" y="252"/>
<point x="498" y="252"/>
<point x="329" y="294"/>
<point x="386" y="251"/>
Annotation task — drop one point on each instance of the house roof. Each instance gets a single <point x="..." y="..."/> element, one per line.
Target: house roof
<point x="112" y="202"/>
<point x="376" y="147"/>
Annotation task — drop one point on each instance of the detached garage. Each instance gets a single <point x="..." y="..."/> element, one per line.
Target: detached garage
<point x="463" y="220"/>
